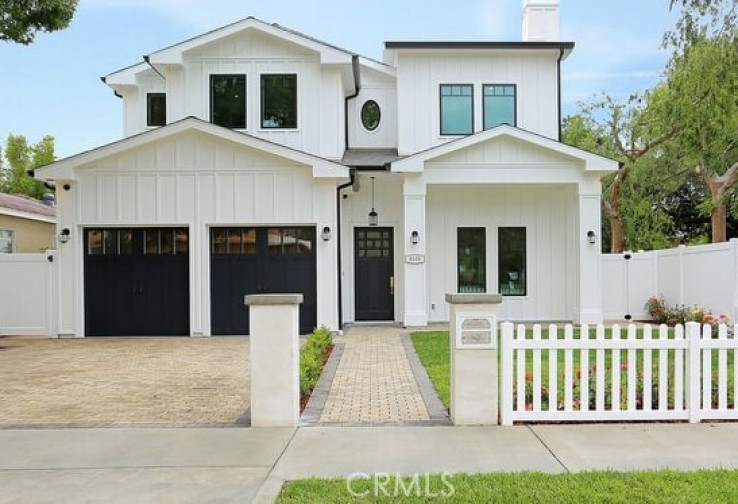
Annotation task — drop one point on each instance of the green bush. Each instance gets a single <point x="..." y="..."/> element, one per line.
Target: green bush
<point x="311" y="358"/>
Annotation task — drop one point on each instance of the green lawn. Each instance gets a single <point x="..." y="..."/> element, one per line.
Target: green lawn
<point x="613" y="487"/>
<point x="433" y="350"/>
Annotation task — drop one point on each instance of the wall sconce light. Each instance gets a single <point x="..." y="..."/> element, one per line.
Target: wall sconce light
<point x="373" y="216"/>
<point x="415" y="237"/>
<point x="326" y="234"/>
<point x="64" y="235"/>
<point x="591" y="237"/>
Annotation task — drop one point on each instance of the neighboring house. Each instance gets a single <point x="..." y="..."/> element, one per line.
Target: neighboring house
<point x="26" y="224"/>
<point x="259" y="159"/>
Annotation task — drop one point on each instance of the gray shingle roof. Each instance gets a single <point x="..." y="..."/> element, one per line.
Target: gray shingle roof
<point x="23" y="203"/>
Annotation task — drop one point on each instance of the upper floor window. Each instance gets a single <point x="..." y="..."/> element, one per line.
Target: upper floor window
<point x="228" y="100"/>
<point x="7" y="241"/>
<point x="279" y="101"/>
<point x="156" y="109"/>
<point x="457" y="109"/>
<point x="371" y="114"/>
<point x="499" y="105"/>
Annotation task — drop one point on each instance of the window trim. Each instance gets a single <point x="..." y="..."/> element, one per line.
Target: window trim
<point x="484" y="257"/>
<point x="262" y="101"/>
<point x="515" y="104"/>
<point x="13" y="240"/>
<point x="149" y="96"/>
<point x="440" y="109"/>
<point x="245" y="98"/>
<point x="525" y="261"/>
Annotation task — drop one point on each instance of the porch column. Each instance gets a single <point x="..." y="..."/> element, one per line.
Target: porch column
<point x="414" y="239"/>
<point x="589" y="309"/>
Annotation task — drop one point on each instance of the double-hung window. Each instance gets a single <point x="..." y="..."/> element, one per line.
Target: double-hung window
<point x="156" y="109"/>
<point x="279" y="101"/>
<point x="499" y="105"/>
<point x="457" y="109"/>
<point x="228" y="100"/>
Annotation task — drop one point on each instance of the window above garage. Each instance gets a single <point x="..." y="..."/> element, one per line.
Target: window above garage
<point x="228" y="100"/>
<point x="156" y="109"/>
<point x="279" y="101"/>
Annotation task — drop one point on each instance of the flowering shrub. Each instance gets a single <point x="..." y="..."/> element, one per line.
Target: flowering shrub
<point x="662" y="313"/>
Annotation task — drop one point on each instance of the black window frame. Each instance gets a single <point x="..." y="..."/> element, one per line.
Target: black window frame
<point x="150" y="107"/>
<point x="363" y="115"/>
<point x="292" y="125"/>
<point x="484" y="103"/>
<point x="440" y="108"/>
<point x="477" y="283"/>
<point x="232" y="124"/>
<point x="521" y="287"/>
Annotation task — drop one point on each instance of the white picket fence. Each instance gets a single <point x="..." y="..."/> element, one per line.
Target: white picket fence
<point x="659" y="374"/>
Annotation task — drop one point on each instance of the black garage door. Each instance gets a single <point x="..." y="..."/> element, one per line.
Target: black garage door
<point x="137" y="282"/>
<point x="276" y="260"/>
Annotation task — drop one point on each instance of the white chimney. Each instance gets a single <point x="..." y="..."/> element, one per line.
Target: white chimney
<point x="540" y="20"/>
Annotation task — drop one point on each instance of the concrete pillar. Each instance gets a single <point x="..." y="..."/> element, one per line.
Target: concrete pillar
<point x="414" y="241"/>
<point x="474" y="362"/>
<point x="274" y="322"/>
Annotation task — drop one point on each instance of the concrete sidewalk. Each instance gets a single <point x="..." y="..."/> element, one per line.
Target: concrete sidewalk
<point x="249" y="464"/>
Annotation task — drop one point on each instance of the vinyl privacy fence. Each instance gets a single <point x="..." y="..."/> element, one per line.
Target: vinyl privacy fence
<point x="590" y="374"/>
<point x="28" y="294"/>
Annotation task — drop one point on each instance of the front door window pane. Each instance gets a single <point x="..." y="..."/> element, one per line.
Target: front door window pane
<point x="279" y="101"/>
<point x="457" y="109"/>
<point x="511" y="261"/>
<point x="499" y="105"/>
<point x="471" y="260"/>
<point x="228" y="100"/>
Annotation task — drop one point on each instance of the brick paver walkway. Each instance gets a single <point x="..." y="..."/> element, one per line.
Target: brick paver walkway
<point x="374" y="382"/>
<point x="107" y="381"/>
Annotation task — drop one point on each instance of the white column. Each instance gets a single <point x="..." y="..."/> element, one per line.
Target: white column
<point x="414" y="263"/>
<point x="589" y="310"/>
<point x="274" y="347"/>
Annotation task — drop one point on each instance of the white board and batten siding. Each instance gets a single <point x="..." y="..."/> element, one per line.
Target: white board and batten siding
<point x="547" y="214"/>
<point x="420" y="73"/>
<point x="319" y="89"/>
<point x="198" y="181"/>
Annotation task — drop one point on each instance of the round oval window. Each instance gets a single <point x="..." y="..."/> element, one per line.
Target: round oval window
<point x="370" y="115"/>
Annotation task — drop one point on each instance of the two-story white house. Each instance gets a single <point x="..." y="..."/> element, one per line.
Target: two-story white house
<point x="259" y="159"/>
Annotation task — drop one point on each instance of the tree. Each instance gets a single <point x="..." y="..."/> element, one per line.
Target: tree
<point x="20" y="20"/>
<point x="625" y="132"/>
<point x="700" y="104"/>
<point x="22" y="157"/>
<point x="701" y="19"/>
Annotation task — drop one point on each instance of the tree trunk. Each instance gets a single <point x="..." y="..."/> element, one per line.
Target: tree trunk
<point x="718" y="215"/>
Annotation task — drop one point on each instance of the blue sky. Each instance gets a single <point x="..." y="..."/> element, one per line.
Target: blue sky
<point x="53" y="86"/>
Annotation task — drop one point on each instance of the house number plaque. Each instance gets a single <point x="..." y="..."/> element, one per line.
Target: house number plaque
<point x="415" y="258"/>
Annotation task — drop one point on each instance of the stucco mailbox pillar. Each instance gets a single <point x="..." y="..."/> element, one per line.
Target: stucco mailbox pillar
<point x="474" y="365"/>
<point x="274" y="322"/>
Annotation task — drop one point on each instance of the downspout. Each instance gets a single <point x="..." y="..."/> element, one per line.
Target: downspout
<point x="352" y="174"/>
<point x="558" y="78"/>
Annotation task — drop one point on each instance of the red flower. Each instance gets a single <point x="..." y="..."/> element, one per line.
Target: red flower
<point x="528" y="376"/>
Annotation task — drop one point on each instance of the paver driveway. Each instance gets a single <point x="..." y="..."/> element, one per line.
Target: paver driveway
<point x="123" y="381"/>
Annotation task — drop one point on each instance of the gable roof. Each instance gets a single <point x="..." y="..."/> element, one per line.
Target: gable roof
<point x="20" y="205"/>
<point x="328" y="53"/>
<point x="64" y="169"/>
<point x="592" y="162"/>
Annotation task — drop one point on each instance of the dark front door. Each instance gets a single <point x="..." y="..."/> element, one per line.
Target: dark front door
<point x="279" y="260"/>
<point x="136" y="282"/>
<point x="374" y="270"/>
